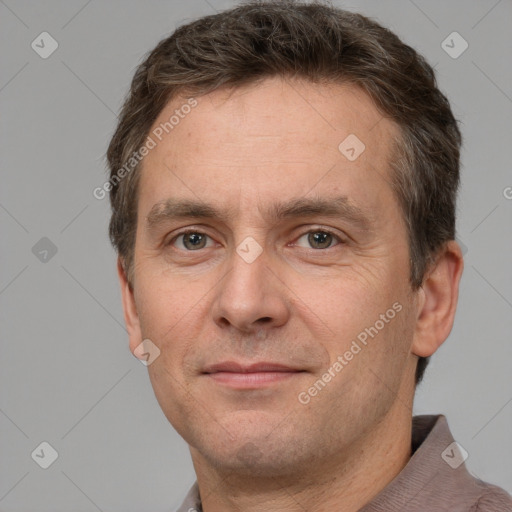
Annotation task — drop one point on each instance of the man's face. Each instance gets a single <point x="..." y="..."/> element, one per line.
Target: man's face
<point x="306" y="251"/>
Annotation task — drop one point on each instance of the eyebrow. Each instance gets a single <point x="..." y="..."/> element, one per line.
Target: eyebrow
<point x="336" y="207"/>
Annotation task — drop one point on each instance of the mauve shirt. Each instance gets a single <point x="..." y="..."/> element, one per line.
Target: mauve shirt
<point x="434" y="479"/>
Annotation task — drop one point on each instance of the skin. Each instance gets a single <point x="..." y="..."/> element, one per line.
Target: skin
<point x="297" y="303"/>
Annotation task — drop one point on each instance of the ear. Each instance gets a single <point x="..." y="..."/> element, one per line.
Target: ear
<point x="131" y="316"/>
<point x="437" y="300"/>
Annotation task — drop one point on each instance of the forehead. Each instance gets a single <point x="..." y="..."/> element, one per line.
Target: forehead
<point x="270" y="139"/>
<point x="274" y="110"/>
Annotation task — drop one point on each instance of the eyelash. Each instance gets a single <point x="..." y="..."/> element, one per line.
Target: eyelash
<point x="316" y="230"/>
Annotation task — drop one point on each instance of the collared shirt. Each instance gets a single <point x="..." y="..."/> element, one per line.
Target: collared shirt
<point x="434" y="479"/>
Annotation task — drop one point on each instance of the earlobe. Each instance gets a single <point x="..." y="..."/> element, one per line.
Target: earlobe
<point x="131" y="316"/>
<point x="438" y="301"/>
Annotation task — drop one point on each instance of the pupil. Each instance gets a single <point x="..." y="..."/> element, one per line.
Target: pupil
<point x="320" y="238"/>
<point x="194" y="239"/>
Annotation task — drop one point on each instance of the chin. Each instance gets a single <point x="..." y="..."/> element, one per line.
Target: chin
<point x="250" y="461"/>
<point x="270" y="454"/>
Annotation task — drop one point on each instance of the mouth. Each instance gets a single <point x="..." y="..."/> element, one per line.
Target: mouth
<point x="240" y="376"/>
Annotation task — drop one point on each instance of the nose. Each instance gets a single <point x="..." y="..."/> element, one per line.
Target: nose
<point x="250" y="296"/>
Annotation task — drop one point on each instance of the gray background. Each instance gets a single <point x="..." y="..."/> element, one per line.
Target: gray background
<point x="67" y="376"/>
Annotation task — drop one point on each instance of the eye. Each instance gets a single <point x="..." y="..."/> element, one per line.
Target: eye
<point x="190" y="240"/>
<point x="320" y="239"/>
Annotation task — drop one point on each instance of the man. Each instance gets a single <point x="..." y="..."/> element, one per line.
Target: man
<point x="283" y="185"/>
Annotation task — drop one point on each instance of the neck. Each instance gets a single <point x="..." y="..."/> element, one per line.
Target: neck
<point x="350" y="478"/>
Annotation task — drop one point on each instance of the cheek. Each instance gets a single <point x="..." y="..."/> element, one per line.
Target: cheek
<point x="175" y="313"/>
<point x="373" y="356"/>
<point x="368" y="321"/>
<point x="166" y="313"/>
<point x="161" y="300"/>
<point x="178" y="405"/>
<point x="347" y="302"/>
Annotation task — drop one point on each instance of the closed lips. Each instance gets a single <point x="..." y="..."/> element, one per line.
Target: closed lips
<point x="234" y="367"/>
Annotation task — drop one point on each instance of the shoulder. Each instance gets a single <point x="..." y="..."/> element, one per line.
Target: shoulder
<point x="493" y="499"/>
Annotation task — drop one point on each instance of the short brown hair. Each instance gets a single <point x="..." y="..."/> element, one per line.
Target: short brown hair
<point x="316" y="42"/>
